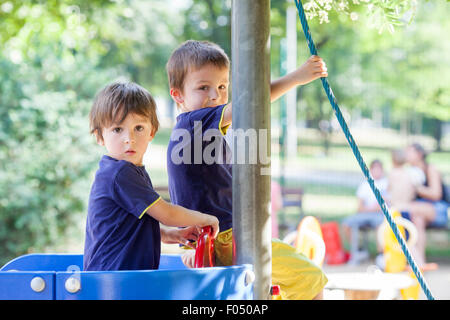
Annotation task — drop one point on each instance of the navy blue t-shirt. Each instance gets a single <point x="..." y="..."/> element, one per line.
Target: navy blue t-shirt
<point x="199" y="164"/>
<point x="119" y="235"/>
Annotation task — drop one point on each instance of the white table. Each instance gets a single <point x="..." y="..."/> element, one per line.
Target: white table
<point x="367" y="286"/>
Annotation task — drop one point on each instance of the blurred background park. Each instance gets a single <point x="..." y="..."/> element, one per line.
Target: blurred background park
<point x="388" y="65"/>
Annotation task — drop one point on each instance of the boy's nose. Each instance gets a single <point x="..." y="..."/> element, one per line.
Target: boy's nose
<point x="214" y="94"/>
<point x="129" y="138"/>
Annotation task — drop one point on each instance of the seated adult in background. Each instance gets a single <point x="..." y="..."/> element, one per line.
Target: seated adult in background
<point x="429" y="208"/>
<point x="368" y="214"/>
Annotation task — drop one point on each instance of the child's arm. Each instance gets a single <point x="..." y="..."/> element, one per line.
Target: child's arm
<point x="177" y="216"/>
<point x="312" y="69"/>
<point x="181" y="236"/>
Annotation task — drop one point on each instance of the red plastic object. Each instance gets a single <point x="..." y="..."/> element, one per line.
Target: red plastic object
<point x="275" y="290"/>
<point x="334" y="253"/>
<point x="204" y="252"/>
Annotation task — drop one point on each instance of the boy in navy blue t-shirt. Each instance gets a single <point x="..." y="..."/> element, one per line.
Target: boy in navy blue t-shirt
<point x="199" y="157"/>
<point x="124" y="211"/>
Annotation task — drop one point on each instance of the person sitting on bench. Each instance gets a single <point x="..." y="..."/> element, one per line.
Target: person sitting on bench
<point x="369" y="214"/>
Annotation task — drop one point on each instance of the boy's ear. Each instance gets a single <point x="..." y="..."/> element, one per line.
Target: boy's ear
<point x="176" y="95"/>
<point x="152" y="135"/>
<point x="99" y="138"/>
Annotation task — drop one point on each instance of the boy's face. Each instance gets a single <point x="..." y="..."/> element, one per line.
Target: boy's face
<point x="128" y="140"/>
<point x="204" y="87"/>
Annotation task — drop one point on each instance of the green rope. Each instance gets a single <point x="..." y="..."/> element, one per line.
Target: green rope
<point x="359" y="158"/>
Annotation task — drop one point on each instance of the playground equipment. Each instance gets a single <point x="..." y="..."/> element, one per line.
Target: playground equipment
<point x="356" y="285"/>
<point x="335" y="253"/>
<point x="394" y="279"/>
<point x="204" y="252"/>
<point x="60" y="277"/>
<point x="204" y="257"/>
<point x="308" y="240"/>
<point x="394" y="259"/>
<point x="319" y="242"/>
<point x="250" y="80"/>
<point x="367" y="285"/>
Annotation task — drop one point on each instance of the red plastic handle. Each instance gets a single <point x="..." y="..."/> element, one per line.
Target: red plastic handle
<point x="204" y="252"/>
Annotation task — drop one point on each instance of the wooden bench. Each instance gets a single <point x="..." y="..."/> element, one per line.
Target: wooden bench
<point x="360" y="247"/>
<point x="445" y="229"/>
<point x="291" y="198"/>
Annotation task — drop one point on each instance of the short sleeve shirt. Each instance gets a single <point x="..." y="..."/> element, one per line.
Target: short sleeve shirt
<point x="199" y="164"/>
<point x="119" y="235"/>
<point x="365" y="193"/>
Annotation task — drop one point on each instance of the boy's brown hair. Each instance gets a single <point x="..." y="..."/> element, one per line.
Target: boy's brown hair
<point x="114" y="102"/>
<point x="192" y="55"/>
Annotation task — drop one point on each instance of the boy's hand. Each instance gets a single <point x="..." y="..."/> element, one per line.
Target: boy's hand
<point x="312" y="69"/>
<point x="182" y="236"/>
<point x="211" y="221"/>
<point x="188" y="258"/>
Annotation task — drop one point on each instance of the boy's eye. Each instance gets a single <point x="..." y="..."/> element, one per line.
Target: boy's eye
<point x="222" y="87"/>
<point x="117" y="130"/>
<point x="139" y="128"/>
<point x="203" y="88"/>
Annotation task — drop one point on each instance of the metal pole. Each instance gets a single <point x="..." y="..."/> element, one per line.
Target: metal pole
<point x="291" y="96"/>
<point x="251" y="115"/>
<point x="283" y="133"/>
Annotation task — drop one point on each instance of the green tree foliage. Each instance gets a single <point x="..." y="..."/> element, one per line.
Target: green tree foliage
<point x="384" y="15"/>
<point x="47" y="81"/>
<point x="208" y="20"/>
<point x="55" y="56"/>
<point x="402" y="73"/>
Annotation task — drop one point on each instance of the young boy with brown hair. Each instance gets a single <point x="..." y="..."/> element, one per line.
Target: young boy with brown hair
<point x="124" y="211"/>
<point x="198" y="73"/>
